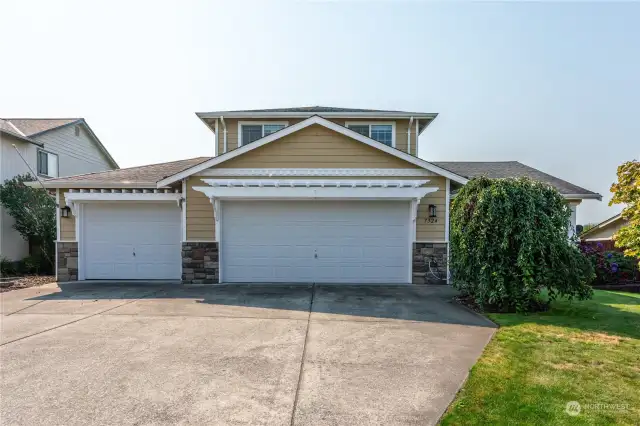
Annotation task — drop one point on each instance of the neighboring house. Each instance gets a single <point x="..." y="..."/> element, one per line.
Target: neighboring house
<point x="318" y="194"/>
<point x="604" y="230"/>
<point x="52" y="148"/>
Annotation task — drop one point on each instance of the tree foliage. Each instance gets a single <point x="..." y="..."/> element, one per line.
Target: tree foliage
<point x="627" y="191"/>
<point x="509" y="241"/>
<point x="34" y="212"/>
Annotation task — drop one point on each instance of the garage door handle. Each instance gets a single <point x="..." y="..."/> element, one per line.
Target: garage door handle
<point x="134" y="253"/>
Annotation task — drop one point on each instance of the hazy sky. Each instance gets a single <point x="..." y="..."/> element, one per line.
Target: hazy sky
<point x="555" y="86"/>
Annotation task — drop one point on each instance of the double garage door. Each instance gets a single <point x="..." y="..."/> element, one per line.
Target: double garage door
<point x="261" y="241"/>
<point x="315" y="241"/>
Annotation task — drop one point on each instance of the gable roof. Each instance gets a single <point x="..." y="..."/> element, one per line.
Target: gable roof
<point x="140" y="176"/>
<point x="603" y="224"/>
<point x="509" y="169"/>
<point x="34" y="127"/>
<point x="316" y="119"/>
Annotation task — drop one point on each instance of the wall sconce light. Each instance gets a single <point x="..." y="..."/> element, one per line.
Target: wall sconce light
<point x="65" y="211"/>
<point x="432" y="210"/>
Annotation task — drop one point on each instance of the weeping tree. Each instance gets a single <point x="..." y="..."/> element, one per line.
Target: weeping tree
<point x="509" y="242"/>
<point x="34" y="211"/>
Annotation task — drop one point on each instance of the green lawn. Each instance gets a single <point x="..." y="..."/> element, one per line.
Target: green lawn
<point x="581" y="351"/>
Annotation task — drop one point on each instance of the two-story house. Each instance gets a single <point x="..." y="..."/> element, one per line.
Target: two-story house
<point x="314" y="194"/>
<point x="50" y="148"/>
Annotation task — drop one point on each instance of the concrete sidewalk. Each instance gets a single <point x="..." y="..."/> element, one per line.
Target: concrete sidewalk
<point x="237" y="354"/>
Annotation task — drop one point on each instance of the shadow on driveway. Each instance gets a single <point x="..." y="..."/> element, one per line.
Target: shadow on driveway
<point x="325" y="302"/>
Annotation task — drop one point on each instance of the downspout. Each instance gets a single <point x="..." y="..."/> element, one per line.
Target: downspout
<point x="409" y="136"/>
<point x="224" y="126"/>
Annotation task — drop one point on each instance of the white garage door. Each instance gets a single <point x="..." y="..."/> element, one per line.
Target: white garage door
<point x="132" y="241"/>
<point x="315" y="241"/>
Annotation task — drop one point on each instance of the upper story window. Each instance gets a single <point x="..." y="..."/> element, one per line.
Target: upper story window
<point x="251" y="132"/>
<point x="47" y="164"/>
<point x="381" y="132"/>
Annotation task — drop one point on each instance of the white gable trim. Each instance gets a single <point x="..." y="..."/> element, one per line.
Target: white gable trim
<point x="299" y="126"/>
<point x="314" y="172"/>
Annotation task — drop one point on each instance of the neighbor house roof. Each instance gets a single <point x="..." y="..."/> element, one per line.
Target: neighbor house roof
<point x="514" y="169"/>
<point x="603" y="224"/>
<point x="9" y="129"/>
<point x="33" y="127"/>
<point x="141" y="176"/>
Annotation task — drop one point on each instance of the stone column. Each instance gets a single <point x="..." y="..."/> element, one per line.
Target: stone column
<point x="67" y="254"/>
<point x="200" y="263"/>
<point x="430" y="263"/>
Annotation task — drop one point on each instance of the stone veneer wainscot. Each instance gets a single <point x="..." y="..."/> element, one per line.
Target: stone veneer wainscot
<point x="200" y="263"/>
<point x="423" y="253"/>
<point x="67" y="252"/>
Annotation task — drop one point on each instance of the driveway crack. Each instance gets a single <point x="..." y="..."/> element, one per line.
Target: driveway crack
<point x="304" y="354"/>
<point x="83" y="318"/>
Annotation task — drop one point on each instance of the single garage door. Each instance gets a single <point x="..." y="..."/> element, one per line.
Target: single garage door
<point x="132" y="241"/>
<point x="315" y="241"/>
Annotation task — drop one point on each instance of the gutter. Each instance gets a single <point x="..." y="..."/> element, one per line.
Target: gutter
<point x="583" y="196"/>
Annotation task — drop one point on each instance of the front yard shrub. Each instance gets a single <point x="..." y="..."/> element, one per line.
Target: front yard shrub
<point x="611" y="267"/>
<point x="7" y="267"/>
<point x="509" y="241"/>
<point x="34" y="212"/>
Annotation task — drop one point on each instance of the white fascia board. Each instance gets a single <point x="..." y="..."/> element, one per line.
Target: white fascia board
<point x="304" y="193"/>
<point x="583" y="196"/>
<point x="315" y="172"/>
<point x="299" y="126"/>
<point x="85" y="197"/>
<point x="92" y="184"/>
<point x="368" y="115"/>
<point x="361" y="183"/>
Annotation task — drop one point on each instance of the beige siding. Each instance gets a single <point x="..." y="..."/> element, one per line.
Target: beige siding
<point x="67" y="224"/>
<point x="316" y="146"/>
<point x="232" y="130"/>
<point x="425" y="231"/>
<point x="200" y="220"/>
<point x="200" y="223"/>
<point x="606" y="232"/>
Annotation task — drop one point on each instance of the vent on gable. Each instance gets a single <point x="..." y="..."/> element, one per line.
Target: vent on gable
<point x="77" y="130"/>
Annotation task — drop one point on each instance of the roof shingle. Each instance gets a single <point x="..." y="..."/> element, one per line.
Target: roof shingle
<point x="140" y="175"/>
<point x="33" y="126"/>
<point x="510" y="169"/>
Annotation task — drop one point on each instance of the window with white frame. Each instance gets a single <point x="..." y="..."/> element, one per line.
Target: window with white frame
<point x="251" y="132"/>
<point x="381" y="132"/>
<point x="47" y="164"/>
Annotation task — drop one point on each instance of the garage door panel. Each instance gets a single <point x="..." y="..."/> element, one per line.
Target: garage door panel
<point x="129" y="241"/>
<point x="277" y="241"/>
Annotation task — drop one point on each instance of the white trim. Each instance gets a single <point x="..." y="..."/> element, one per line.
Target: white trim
<point x="431" y="242"/>
<point x="447" y="223"/>
<point x="217" y="139"/>
<point x="598" y="239"/>
<point x="224" y="125"/>
<point x="76" y="184"/>
<point x="80" y="238"/>
<point x="183" y="206"/>
<point x="198" y="241"/>
<point x="447" y="201"/>
<point x="376" y="123"/>
<point x="48" y="176"/>
<point x="359" y="115"/>
<point x="257" y="123"/>
<point x="58" y="224"/>
<point x="301" y="125"/>
<point x="218" y="237"/>
<point x="583" y="196"/>
<point x="80" y="197"/>
<point x="413" y="218"/>
<point x="261" y="193"/>
<point x="417" y="137"/>
<point x="329" y="183"/>
<point x="315" y="172"/>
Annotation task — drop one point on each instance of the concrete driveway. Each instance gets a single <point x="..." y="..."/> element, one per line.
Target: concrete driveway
<point x="233" y="355"/>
